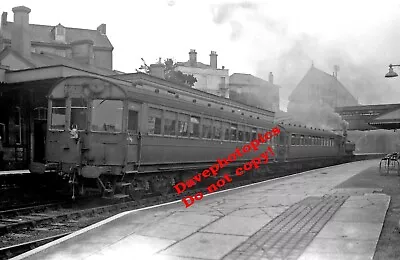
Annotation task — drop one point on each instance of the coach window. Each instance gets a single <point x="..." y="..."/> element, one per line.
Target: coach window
<point x="183" y="124"/>
<point x="207" y="128"/>
<point x="247" y="134"/>
<point x="217" y="129"/>
<point x="107" y="115"/>
<point x="133" y="117"/>
<point x="309" y="140"/>
<point x="78" y="113"/>
<point x="154" y="121"/>
<point x="194" y="126"/>
<point x="58" y="111"/>
<point x="302" y="140"/>
<point x="253" y="133"/>
<point x="169" y="123"/>
<point x="293" y="141"/>
<point x="226" y="126"/>
<point x="234" y="132"/>
<point x="241" y="133"/>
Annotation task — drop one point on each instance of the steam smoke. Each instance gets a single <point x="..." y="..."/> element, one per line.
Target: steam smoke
<point x="317" y="115"/>
<point x="363" y="55"/>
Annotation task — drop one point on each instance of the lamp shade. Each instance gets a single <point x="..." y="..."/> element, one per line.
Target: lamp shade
<point x="391" y="73"/>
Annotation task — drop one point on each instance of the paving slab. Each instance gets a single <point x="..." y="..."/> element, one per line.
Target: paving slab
<point x="205" y="246"/>
<point x="233" y="225"/>
<point x="132" y="247"/>
<point x="354" y="230"/>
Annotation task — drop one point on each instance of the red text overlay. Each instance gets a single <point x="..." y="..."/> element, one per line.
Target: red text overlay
<point x="221" y="163"/>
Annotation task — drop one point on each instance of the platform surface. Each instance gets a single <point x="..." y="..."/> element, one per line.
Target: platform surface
<point x="296" y="217"/>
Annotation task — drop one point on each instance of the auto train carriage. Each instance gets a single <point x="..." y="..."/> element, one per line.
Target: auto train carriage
<point x="118" y="138"/>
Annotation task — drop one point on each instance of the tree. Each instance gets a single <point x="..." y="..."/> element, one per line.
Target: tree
<point x="171" y="74"/>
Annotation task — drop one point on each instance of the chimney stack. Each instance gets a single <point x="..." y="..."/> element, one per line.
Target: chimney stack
<point x="271" y="78"/>
<point x="3" y="19"/>
<point x="20" y="35"/>
<point x="102" y="29"/>
<point x="82" y="51"/>
<point x="157" y="70"/>
<point x="213" y="59"/>
<point x="193" y="57"/>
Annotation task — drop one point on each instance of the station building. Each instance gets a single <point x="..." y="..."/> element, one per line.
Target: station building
<point x="32" y="58"/>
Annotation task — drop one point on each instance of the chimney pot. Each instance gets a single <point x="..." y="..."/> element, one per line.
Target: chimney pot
<point x="213" y="59"/>
<point x="157" y="70"/>
<point x="193" y="57"/>
<point x="3" y="19"/>
<point x="271" y="78"/>
<point x="102" y="28"/>
<point x="20" y="35"/>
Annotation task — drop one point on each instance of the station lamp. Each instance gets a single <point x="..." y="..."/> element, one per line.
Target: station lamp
<point x="391" y="73"/>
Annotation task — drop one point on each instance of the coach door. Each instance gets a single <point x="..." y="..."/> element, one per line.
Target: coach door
<point x="282" y="146"/>
<point x="134" y="138"/>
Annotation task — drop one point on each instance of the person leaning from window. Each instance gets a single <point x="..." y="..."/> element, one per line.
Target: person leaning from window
<point x="1" y="154"/>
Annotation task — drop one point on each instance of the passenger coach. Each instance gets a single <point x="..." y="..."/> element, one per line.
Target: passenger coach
<point x="143" y="133"/>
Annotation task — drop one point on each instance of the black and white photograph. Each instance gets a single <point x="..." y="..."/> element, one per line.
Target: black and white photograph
<point x="200" y="130"/>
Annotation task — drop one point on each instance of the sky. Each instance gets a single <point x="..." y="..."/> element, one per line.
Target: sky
<point x="256" y="37"/>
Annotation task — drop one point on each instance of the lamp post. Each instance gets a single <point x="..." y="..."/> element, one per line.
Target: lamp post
<point x="391" y="73"/>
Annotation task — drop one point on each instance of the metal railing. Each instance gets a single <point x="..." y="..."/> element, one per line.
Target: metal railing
<point x="390" y="163"/>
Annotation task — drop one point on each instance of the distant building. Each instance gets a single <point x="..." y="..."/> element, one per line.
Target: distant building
<point x="24" y="45"/>
<point x="319" y="87"/>
<point x="209" y="77"/>
<point x="254" y="91"/>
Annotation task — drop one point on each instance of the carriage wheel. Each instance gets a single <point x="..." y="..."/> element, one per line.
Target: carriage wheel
<point x="161" y="185"/>
<point x="138" y="189"/>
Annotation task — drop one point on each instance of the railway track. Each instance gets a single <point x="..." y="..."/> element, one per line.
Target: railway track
<point x="10" y="251"/>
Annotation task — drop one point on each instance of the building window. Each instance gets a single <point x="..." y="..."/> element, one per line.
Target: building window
<point x="60" y="31"/>
<point x="154" y="121"/>
<point x="40" y="113"/>
<point x="61" y="53"/>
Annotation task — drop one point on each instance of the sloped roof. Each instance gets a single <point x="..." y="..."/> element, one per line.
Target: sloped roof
<point x="324" y="80"/>
<point x="42" y="34"/>
<point x="46" y="59"/>
<point x="243" y="79"/>
<point x="390" y="120"/>
<point x="198" y="65"/>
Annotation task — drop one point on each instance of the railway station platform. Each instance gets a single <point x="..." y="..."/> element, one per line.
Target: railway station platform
<point x="304" y="216"/>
